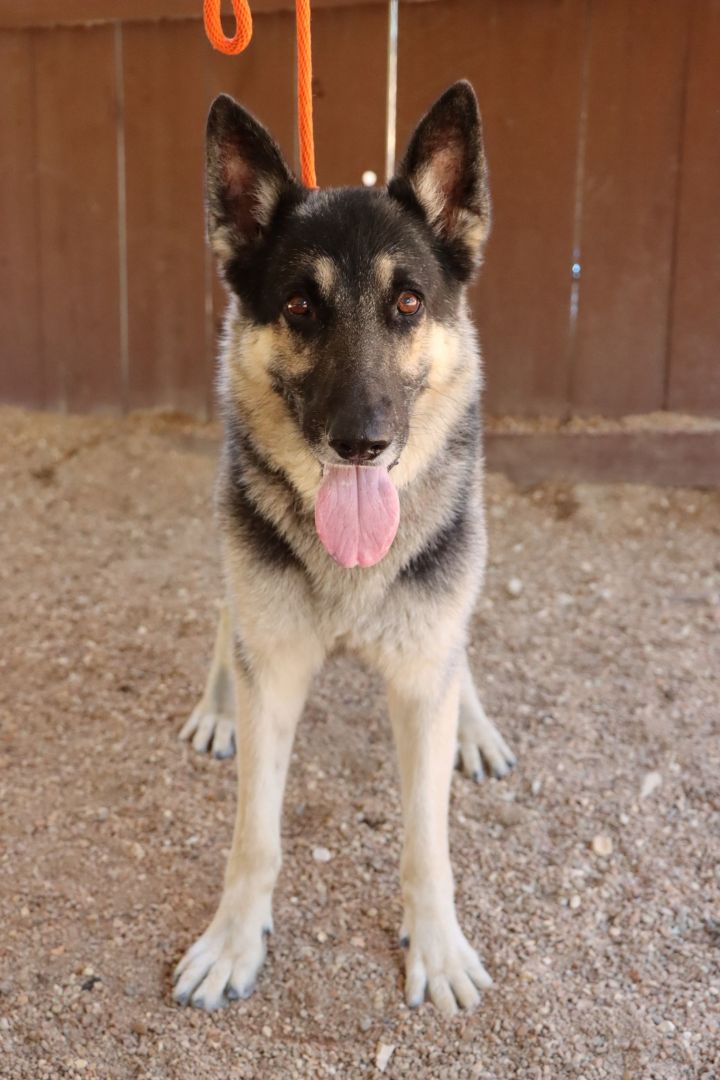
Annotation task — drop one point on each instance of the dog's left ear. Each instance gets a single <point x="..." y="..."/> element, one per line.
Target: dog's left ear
<point x="444" y="174"/>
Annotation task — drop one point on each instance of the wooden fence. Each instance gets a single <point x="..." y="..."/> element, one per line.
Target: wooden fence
<point x="600" y="292"/>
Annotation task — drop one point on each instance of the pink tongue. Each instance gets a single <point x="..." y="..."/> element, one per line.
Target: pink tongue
<point x="357" y="512"/>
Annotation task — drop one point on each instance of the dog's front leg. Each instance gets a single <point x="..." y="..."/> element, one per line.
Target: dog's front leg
<point x="270" y="692"/>
<point x="424" y="704"/>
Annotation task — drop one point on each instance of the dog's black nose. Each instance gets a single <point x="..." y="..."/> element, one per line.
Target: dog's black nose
<point x="359" y="450"/>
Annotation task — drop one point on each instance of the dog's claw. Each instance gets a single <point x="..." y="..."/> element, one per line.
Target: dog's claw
<point x="483" y="751"/>
<point x="213" y="1006"/>
<point x="500" y="772"/>
<point x="226" y="752"/>
<point x="233" y="994"/>
<point x="210" y="732"/>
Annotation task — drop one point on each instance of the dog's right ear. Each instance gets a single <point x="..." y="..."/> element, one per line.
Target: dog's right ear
<point x="246" y="178"/>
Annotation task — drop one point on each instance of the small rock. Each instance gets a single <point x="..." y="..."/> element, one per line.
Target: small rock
<point x="267" y="1032"/>
<point x="321" y="854"/>
<point x="667" y="1027"/>
<point x="509" y="814"/>
<point x="514" y="587"/>
<point x="365" y="1023"/>
<point x="602" y="845"/>
<point x="651" y="781"/>
<point x="138" y="1027"/>
<point x="384" y="1053"/>
<point x="575" y="902"/>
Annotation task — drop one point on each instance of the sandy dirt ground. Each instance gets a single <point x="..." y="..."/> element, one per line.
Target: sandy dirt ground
<point x="589" y="880"/>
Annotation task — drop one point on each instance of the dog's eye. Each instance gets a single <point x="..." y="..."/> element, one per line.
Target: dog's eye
<point x="408" y="303"/>
<point x="298" y="306"/>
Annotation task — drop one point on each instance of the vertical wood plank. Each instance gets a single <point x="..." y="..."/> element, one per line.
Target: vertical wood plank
<point x="262" y="79"/>
<point x="21" y="367"/>
<point x="78" y="207"/>
<point x="634" y="114"/>
<point x="524" y="60"/>
<point x="349" y="81"/>
<point x="169" y="352"/>
<point x="694" y="374"/>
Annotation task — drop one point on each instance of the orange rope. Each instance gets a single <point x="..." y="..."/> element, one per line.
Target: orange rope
<point x="241" y="39"/>
<point x="216" y="35"/>
<point x="304" y="93"/>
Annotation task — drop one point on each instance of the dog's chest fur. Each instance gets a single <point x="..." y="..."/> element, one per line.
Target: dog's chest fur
<point x="438" y="555"/>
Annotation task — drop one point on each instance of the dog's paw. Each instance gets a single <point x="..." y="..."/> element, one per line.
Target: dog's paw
<point x="441" y="963"/>
<point x="482" y="749"/>
<point x="223" y="964"/>
<point x="210" y="731"/>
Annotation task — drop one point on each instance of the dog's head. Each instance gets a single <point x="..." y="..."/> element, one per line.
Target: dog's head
<point x="348" y="293"/>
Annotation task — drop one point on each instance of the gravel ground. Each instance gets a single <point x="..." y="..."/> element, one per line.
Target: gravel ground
<point x="589" y="880"/>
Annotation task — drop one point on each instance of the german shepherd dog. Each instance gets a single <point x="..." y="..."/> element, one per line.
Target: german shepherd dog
<point x="350" y="508"/>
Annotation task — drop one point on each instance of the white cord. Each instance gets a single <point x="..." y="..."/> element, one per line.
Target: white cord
<point x="391" y="105"/>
